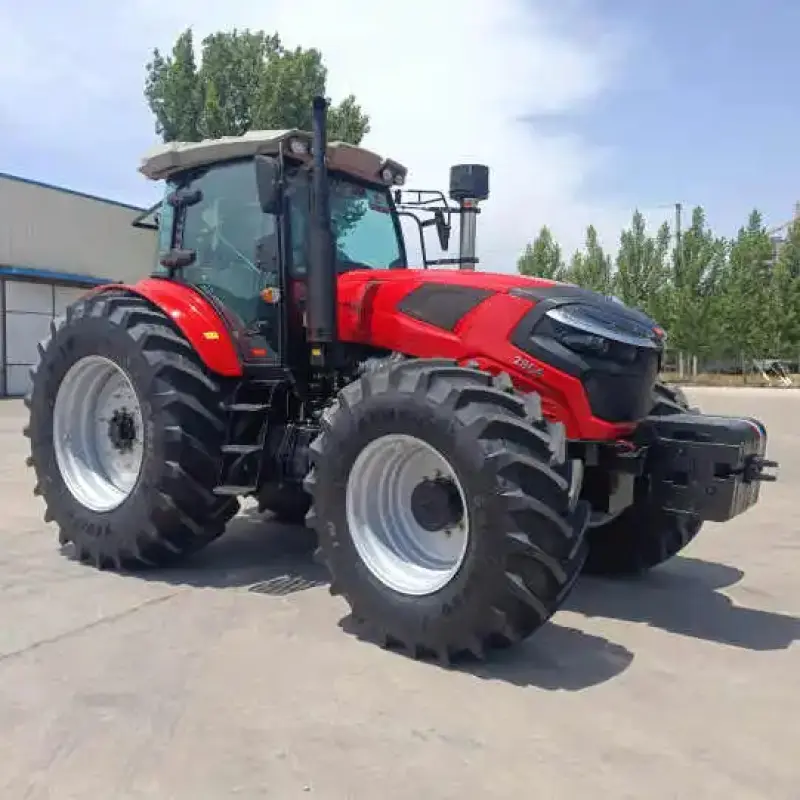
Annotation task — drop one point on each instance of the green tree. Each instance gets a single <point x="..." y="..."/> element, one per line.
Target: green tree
<point x="246" y="80"/>
<point x="591" y="269"/>
<point x="542" y="259"/>
<point x="171" y="89"/>
<point x="641" y="276"/>
<point x="693" y="308"/>
<point x="786" y="284"/>
<point x="750" y="318"/>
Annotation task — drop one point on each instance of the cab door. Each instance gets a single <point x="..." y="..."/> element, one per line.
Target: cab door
<point x="229" y="234"/>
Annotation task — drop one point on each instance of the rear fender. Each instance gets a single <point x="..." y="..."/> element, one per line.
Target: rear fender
<point x="195" y="317"/>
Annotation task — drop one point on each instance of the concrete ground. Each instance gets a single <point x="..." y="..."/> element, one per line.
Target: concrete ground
<point x="194" y="684"/>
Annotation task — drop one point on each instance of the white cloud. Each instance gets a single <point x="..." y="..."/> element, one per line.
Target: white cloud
<point x="444" y="82"/>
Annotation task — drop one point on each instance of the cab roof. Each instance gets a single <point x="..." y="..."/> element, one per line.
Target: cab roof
<point x="168" y="159"/>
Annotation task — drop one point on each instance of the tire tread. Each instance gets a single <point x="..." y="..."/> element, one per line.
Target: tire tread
<point x="542" y="560"/>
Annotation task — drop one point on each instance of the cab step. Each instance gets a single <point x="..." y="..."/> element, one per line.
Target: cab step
<point x="246" y="407"/>
<point x="241" y="449"/>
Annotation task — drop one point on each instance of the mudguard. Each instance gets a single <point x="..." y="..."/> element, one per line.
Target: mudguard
<point x="195" y="317"/>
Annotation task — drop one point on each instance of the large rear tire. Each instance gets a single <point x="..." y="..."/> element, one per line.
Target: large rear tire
<point x="487" y="551"/>
<point x="643" y="535"/>
<point x="126" y="430"/>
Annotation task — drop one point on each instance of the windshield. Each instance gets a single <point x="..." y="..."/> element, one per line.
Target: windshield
<point x="365" y="230"/>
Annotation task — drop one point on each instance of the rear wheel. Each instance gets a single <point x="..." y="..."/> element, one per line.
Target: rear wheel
<point x="643" y="535"/>
<point x="444" y="509"/>
<point x="126" y="429"/>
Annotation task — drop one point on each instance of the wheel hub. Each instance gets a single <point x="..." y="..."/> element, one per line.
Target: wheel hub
<point x="436" y="504"/>
<point x="122" y="430"/>
<point x="407" y="514"/>
<point x="97" y="433"/>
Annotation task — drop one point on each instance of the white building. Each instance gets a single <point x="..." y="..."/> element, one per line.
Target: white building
<point x="54" y="244"/>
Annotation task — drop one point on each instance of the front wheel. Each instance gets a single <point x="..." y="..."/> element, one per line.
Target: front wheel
<point x="445" y="509"/>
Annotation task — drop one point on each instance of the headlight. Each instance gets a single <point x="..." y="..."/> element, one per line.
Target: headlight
<point x="601" y="333"/>
<point x="592" y="321"/>
<point x="298" y="147"/>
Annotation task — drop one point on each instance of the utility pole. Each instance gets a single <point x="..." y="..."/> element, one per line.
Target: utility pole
<point x="678" y="249"/>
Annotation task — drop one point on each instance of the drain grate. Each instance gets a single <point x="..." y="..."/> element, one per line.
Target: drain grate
<point x="282" y="585"/>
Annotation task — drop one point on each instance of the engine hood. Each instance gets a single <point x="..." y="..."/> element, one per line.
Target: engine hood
<point x="493" y="281"/>
<point x="595" y="308"/>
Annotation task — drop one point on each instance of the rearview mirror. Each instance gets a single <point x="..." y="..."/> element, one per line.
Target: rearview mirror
<point x="268" y="182"/>
<point x="183" y="198"/>
<point x="442" y="229"/>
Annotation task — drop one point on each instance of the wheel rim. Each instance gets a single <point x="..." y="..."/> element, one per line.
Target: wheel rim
<point x="389" y="537"/>
<point x="97" y="433"/>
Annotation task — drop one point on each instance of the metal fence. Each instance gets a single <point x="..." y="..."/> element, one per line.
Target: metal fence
<point x="748" y="369"/>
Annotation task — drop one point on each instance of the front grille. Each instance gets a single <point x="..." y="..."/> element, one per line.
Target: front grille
<point x="622" y="393"/>
<point x="613" y="350"/>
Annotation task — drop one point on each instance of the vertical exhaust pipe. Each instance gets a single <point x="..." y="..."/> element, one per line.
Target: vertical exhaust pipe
<point x="469" y="185"/>
<point x="321" y="302"/>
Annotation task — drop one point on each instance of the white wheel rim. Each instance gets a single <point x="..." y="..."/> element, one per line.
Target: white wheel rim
<point x="394" y="546"/>
<point x="97" y="433"/>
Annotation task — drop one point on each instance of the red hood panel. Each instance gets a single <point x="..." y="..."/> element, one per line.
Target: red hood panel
<point x="499" y="282"/>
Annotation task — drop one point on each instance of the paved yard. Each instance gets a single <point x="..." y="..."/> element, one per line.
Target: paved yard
<point x="190" y="684"/>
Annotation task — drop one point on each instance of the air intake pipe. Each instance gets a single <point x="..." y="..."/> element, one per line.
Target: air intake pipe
<point x="469" y="185"/>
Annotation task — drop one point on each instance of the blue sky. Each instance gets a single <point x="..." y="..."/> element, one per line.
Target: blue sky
<point x="706" y="110"/>
<point x="584" y="109"/>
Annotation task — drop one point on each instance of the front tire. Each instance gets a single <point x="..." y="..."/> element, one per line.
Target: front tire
<point x="643" y="535"/>
<point x="163" y="421"/>
<point x="409" y="582"/>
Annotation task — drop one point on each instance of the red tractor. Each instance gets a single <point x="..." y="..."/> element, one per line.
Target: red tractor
<point x="463" y="443"/>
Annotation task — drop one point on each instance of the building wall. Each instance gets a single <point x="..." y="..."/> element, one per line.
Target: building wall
<point x="49" y="228"/>
<point x="54" y="245"/>
<point x="29" y="309"/>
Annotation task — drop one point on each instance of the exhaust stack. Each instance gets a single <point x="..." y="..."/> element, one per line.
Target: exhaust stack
<point x="469" y="185"/>
<point x="321" y="278"/>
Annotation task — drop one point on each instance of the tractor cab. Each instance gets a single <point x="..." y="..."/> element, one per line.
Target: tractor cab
<point x="245" y="219"/>
<point x="236" y="224"/>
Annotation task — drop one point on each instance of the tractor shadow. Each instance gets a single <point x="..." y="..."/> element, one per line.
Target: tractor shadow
<point x="254" y="551"/>
<point x="257" y="553"/>
<point x="555" y="658"/>
<point x="682" y="597"/>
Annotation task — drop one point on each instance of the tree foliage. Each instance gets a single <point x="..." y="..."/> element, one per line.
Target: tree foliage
<point x="786" y="282"/>
<point x="542" y="259"/>
<point x="591" y="268"/>
<point x="245" y="80"/>
<point x="717" y="298"/>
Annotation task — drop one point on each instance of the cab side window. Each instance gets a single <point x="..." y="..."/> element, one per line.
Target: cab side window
<point x="224" y="228"/>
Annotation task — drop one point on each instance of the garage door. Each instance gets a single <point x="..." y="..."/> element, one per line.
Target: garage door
<point x="30" y="307"/>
